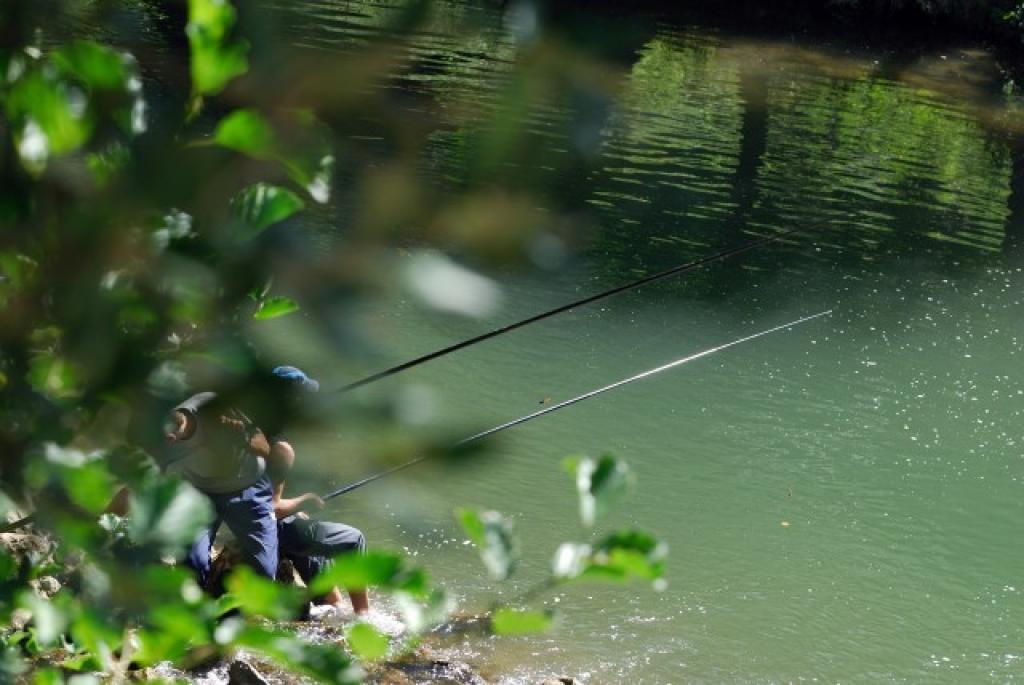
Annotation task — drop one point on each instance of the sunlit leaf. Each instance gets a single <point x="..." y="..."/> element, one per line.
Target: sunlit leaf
<point x="570" y="560"/>
<point x="166" y="515"/>
<point x="262" y="205"/>
<point x="273" y="307"/>
<point x="494" y="538"/>
<point x="622" y="556"/>
<point x="48" y="116"/>
<point x="360" y="571"/>
<point x="324" y="662"/>
<point x="600" y="483"/>
<point x="95" y="65"/>
<point x="245" y="130"/>
<point x="53" y="376"/>
<point x="259" y="596"/>
<point x="506" y="621"/>
<point x="48" y="676"/>
<point x="385" y="570"/>
<point x="215" y="58"/>
<point x="48" y="617"/>
<point x="367" y="643"/>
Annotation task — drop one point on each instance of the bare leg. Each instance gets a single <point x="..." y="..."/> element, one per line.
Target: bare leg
<point x="359" y="598"/>
<point x="360" y="601"/>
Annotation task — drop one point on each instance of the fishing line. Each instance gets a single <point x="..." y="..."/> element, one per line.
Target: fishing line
<point x="688" y="266"/>
<point x="579" y="398"/>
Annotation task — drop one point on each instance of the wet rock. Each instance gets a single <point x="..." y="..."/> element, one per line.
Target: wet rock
<point x="564" y="680"/>
<point x="26" y="546"/>
<point x="241" y="672"/>
<point x="416" y="671"/>
<point x="45" y="587"/>
<point x="20" y="618"/>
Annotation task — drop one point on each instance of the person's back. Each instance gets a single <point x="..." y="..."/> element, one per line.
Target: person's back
<point x="214" y="454"/>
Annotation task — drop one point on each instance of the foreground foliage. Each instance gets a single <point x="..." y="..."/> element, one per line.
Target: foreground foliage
<point x="136" y="202"/>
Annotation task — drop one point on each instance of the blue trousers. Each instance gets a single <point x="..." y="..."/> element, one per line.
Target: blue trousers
<point x="249" y="514"/>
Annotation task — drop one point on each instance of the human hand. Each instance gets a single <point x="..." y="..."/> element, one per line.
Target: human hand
<point x="312" y="501"/>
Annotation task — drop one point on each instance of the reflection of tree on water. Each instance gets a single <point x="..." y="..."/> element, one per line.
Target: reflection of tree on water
<point x="893" y="170"/>
<point x="1014" y="244"/>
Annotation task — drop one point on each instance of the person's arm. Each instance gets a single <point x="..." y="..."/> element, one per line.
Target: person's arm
<point x="282" y="457"/>
<point x="286" y="506"/>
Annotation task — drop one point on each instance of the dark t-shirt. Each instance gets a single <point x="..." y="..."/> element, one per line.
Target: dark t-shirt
<point x="215" y="458"/>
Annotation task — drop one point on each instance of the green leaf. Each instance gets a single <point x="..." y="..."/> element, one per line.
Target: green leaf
<point x="360" y="571"/>
<point x="98" y="636"/>
<point x="48" y="676"/>
<point x="48" y="617"/>
<point x="367" y="643"/>
<point x="495" y="539"/>
<point x="96" y="66"/>
<point x="506" y="621"/>
<point x="53" y="377"/>
<point x="166" y="516"/>
<point x="600" y="484"/>
<point x="324" y="662"/>
<point x="215" y="59"/>
<point x="47" y="118"/>
<point x="622" y="556"/>
<point x="373" y="569"/>
<point x="273" y="307"/>
<point x="245" y="130"/>
<point x="259" y="596"/>
<point x="263" y="205"/>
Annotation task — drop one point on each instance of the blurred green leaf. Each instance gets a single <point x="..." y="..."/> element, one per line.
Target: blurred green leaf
<point x="570" y="559"/>
<point x="425" y="611"/>
<point x="367" y="643"/>
<point x="245" y="130"/>
<point x="273" y="307"/>
<point x="622" y="556"/>
<point x="259" y="596"/>
<point x="48" y="676"/>
<point x="262" y="205"/>
<point x="324" y="662"/>
<point x="215" y="59"/>
<point x="48" y="118"/>
<point x="600" y="483"/>
<point x="95" y="65"/>
<point x="96" y="635"/>
<point x="495" y="539"/>
<point x="506" y="621"/>
<point x="166" y="515"/>
<point x="53" y="377"/>
<point x="372" y="569"/>
<point x="49" y="617"/>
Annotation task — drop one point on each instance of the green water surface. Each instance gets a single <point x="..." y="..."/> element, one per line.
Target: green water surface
<point x="842" y="501"/>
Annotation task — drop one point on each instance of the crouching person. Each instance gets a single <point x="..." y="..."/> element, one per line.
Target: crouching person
<point x="220" y="452"/>
<point x="310" y="545"/>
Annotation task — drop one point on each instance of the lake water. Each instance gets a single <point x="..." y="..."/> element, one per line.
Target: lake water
<point x="842" y="501"/>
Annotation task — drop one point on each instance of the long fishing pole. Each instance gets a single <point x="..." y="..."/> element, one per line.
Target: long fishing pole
<point x="585" y="396"/>
<point x="688" y="266"/>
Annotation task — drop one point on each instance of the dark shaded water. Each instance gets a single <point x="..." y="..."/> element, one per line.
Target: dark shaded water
<point x="842" y="501"/>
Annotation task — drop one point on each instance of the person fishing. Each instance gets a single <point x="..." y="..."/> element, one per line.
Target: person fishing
<point x="223" y="455"/>
<point x="310" y="545"/>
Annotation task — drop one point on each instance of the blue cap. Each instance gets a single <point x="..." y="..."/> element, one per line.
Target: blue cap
<point x="297" y="377"/>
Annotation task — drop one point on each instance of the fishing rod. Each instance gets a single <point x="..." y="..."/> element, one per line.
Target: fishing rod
<point x="579" y="398"/>
<point x="537" y="414"/>
<point x="688" y="266"/>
